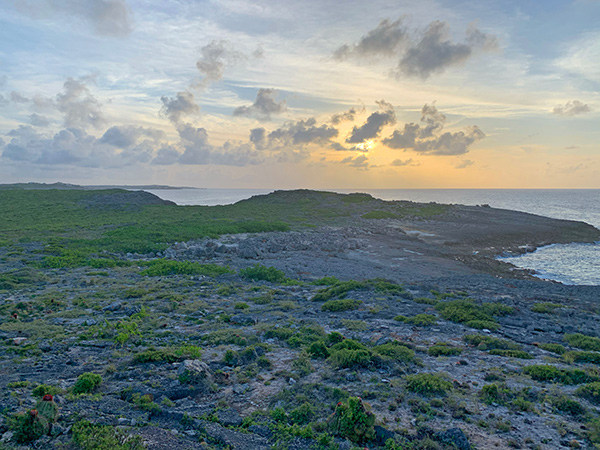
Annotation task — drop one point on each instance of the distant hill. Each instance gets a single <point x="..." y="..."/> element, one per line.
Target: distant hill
<point x="65" y="186"/>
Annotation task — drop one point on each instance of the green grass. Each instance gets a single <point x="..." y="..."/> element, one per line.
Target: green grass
<point x="547" y="373"/>
<point x="545" y="307"/>
<point x="421" y="320"/>
<point x="483" y="342"/>
<point x="379" y="215"/>
<point x="86" y="383"/>
<point x="165" y="267"/>
<point x="443" y="349"/>
<point x="590" y="392"/>
<point x="473" y="315"/>
<point x="88" y="436"/>
<point x="554" y="348"/>
<point x="168" y="355"/>
<point x="511" y="353"/>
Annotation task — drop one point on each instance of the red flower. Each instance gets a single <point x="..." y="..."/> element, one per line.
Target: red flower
<point x="33" y="413"/>
<point x="47" y="398"/>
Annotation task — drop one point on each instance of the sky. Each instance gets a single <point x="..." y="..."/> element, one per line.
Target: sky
<point x="315" y="94"/>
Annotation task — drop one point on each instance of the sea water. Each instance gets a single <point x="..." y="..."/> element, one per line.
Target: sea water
<point x="566" y="263"/>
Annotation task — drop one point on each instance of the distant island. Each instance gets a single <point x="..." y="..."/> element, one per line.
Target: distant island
<point x="65" y="186"/>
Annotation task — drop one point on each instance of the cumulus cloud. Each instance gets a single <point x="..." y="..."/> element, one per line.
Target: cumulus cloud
<point x="374" y="124"/>
<point x="301" y="132"/>
<point x="182" y="104"/>
<point x="430" y="52"/>
<point x="345" y="116"/>
<point x="128" y="136"/>
<point x="38" y="120"/>
<point x="3" y="101"/>
<point x="404" y="162"/>
<point x="79" y="107"/>
<point x="106" y="17"/>
<point x="429" y="138"/>
<point x="360" y="162"/>
<point x="385" y="40"/>
<point x="263" y="106"/>
<point x="572" y="108"/>
<point x="216" y="57"/>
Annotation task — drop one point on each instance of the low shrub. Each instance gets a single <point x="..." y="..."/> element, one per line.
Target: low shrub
<point x="103" y="437"/>
<point x="484" y="342"/>
<point x="318" y="349"/>
<point x="511" y="353"/>
<point x="582" y="357"/>
<point x="86" y="383"/>
<point x="337" y="290"/>
<point x="541" y="372"/>
<point x="443" y="349"/>
<point x="43" y="389"/>
<point x="168" y="355"/>
<point x="395" y="351"/>
<point x="165" y="267"/>
<point x="494" y="393"/>
<point x="545" y="307"/>
<point x="567" y="405"/>
<point x="582" y="341"/>
<point x="258" y="272"/>
<point x="590" y="392"/>
<point x="341" y="305"/>
<point x="428" y="384"/>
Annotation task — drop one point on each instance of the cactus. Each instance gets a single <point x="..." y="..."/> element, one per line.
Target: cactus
<point x="29" y="426"/>
<point x="48" y="408"/>
<point x="353" y="421"/>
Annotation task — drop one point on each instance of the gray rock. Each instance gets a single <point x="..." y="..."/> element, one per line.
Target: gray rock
<point x="196" y="372"/>
<point x="243" y="319"/>
<point x="229" y="417"/>
<point x="234" y="439"/>
<point x="454" y="436"/>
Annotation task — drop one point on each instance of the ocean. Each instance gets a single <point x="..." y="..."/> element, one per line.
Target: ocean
<point x="566" y="263"/>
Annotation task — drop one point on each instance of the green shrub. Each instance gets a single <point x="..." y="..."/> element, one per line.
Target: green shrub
<point x="565" y="404"/>
<point x="483" y="325"/>
<point x="337" y="290"/>
<point x="241" y="305"/>
<point x="346" y="358"/>
<point x="582" y="341"/>
<point x="86" y="383"/>
<point x="511" y="353"/>
<point x="259" y="272"/>
<point x="335" y="338"/>
<point x="306" y="335"/>
<point x="44" y="389"/>
<point x="590" y="392"/>
<point x="341" y="305"/>
<point x="582" y="357"/>
<point x="103" y="437"/>
<point x="428" y="384"/>
<point x="168" y="355"/>
<point x="545" y="307"/>
<point x="302" y="414"/>
<point x="318" y="349"/>
<point x="542" y="372"/>
<point x="484" y="342"/>
<point x="418" y="320"/>
<point x="442" y="349"/>
<point x="494" y="393"/>
<point x="165" y="267"/>
<point x="29" y="426"/>
<point x="353" y="421"/>
<point x="395" y="351"/>
<point x="554" y="348"/>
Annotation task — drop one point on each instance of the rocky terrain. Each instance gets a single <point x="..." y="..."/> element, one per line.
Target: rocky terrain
<point x="384" y="325"/>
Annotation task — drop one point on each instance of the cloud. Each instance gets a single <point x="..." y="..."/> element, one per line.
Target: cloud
<point x="571" y="108"/>
<point x="385" y="40"/>
<point x="106" y="17"/>
<point x="428" y="138"/>
<point x="374" y="124"/>
<point x="182" y="104"/>
<point x="464" y="164"/>
<point x="451" y="143"/>
<point x="79" y="106"/>
<point x="360" y="162"/>
<point x="38" y="121"/>
<point x="15" y="97"/>
<point x="301" y="132"/>
<point x="71" y="147"/>
<point x="128" y="136"/>
<point x="3" y="101"/>
<point x="404" y="162"/>
<point x="3" y="80"/>
<point x="430" y="52"/>
<point x="345" y="116"/>
<point x="263" y="106"/>
<point x="216" y="56"/>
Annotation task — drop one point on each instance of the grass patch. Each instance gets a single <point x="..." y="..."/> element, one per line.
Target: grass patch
<point x="379" y="215"/>
<point x="590" y="392"/>
<point x="511" y="353"/>
<point x="341" y="305"/>
<point x="545" y="307"/>
<point x="443" y="349"/>
<point x="428" y="384"/>
<point x="166" y="267"/>
<point x="483" y="342"/>
<point x="582" y="341"/>
<point x="168" y="355"/>
<point x="473" y="315"/>
<point x="259" y="272"/>
<point x="554" y="348"/>
<point x="547" y="373"/>
<point x="103" y="437"/>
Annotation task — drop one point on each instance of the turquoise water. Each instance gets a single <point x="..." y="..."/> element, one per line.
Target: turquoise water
<point x="568" y="263"/>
